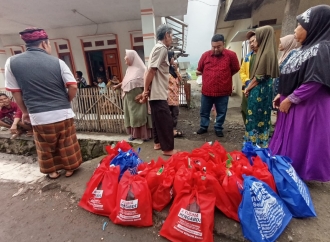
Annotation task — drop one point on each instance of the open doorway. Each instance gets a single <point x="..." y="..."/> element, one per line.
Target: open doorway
<point x="104" y="64"/>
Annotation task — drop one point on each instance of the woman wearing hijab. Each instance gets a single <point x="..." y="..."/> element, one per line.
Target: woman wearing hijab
<point x="302" y="129"/>
<point x="137" y="120"/>
<point x="287" y="46"/>
<point x="173" y="93"/>
<point x="263" y="68"/>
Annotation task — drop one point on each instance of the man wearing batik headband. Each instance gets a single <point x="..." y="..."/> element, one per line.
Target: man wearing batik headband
<point x="43" y="87"/>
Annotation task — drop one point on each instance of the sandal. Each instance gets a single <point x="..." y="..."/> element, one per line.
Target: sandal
<point x="53" y="177"/>
<point x="131" y="138"/>
<point x="178" y="134"/>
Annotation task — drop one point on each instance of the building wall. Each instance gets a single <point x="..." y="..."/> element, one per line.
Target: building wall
<point x="3" y="57"/>
<point x="237" y="47"/>
<point x="274" y="9"/>
<point x="121" y="29"/>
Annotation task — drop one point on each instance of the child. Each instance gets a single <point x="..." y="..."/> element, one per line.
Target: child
<point x="101" y="85"/>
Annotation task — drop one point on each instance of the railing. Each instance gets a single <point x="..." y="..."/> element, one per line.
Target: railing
<point x="180" y="32"/>
<point x="103" y="112"/>
<point x="98" y="112"/>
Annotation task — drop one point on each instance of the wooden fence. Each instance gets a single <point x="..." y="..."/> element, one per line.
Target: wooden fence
<point x="103" y="112"/>
<point x="99" y="112"/>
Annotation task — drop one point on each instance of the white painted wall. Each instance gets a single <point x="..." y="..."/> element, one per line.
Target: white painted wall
<point x="236" y="47"/>
<point x="3" y="58"/>
<point x="120" y="28"/>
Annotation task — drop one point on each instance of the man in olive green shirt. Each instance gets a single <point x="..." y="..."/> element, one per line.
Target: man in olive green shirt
<point x="156" y="87"/>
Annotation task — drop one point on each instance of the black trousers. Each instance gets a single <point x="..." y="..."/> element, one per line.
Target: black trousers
<point x="162" y="124"/>
<point x="175" y="114"/>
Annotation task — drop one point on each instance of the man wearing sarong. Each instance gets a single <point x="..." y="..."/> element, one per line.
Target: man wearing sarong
<point x="43" y="87"/>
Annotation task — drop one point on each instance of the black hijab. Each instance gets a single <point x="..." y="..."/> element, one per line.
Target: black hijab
<point x="311" y="61"/>
<point x="172" y="70"/>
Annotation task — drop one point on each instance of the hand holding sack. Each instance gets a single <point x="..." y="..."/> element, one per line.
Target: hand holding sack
<point x="191" y="217"/>
<point x="262" y="213"/>
<point x="100" y="194"/>
<point x="133" y="202"/>
<point x="291" y="188"/>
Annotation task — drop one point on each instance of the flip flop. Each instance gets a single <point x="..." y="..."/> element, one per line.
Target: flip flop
<point x="178" y="134"/>
<point x="53" y="178"/>
<point x="131" y="139"/>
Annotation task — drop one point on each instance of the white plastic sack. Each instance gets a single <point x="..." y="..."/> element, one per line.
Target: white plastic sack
<point x="199" y="80"/>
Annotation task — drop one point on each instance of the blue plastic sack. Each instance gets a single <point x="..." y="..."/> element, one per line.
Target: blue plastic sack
<point x="291" y="188"/>
<point x="127" y="161"/>
<point x="250" y="150"/>
<point x="262" y="213"/>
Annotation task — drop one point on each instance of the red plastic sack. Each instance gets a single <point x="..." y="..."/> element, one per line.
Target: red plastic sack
<point x="240" y="164"/>
<point x="123" y="145"/>
<point x="154" y="177"/>
<point x="133" y="203"/>
<point x="177" y="160"/>
<point x="191" y="217"/>
<point x="182" y="176"/>
<point x="163" y="194"/>
<point x="100" y="194"/>
<point x="232" y="185"/>
<point x="261" y="172"/>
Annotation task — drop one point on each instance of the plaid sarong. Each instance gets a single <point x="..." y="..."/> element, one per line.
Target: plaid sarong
<point x="57" y="146"/>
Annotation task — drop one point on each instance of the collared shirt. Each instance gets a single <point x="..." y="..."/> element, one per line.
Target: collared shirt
<point x="11" y="112"/>
<point x="46" y="117"/>
<point x="217" y="72"/>
<point x="159" y="59"/>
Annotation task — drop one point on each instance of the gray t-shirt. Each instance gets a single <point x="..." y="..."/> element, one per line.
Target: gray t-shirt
<point x="159" y="59"/>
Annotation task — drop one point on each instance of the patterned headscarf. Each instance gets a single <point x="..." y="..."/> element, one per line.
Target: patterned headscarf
<point x="32" y="34"/>
<point x="311" y="61"/>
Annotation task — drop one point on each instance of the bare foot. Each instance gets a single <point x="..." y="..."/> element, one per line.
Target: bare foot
<point x="157" y="146"/>
<point x="170" y="153"/>
<point x="69" y="173"/>
<point x="53" y="175"/>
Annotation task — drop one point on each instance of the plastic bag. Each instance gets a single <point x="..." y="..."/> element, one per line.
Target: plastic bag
<point x="261" y="172"/>
<point x="101" y="191"/>
<point x="191" y="217"/>
<point x="133" y="202"/>
<point x="163" y="194"/>
<point x="128" y="160"/>
<point x="262" y="213"/>
<point x="291" y="188"/>
<point x="199" y="80"/>
<point x="121" y="145"/>
<point x="232" y="185"/>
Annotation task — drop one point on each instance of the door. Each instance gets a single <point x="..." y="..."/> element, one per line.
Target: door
<point x="111" y="63"/>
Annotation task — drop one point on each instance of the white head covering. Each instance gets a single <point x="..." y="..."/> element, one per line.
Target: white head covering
<point x="134" y="76"/>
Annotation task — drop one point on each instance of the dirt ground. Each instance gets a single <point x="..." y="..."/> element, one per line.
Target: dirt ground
<point x="51" y="213"/>
<point x="189" y="120"/>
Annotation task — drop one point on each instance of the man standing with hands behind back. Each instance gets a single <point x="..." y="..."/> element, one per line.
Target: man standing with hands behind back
<point x="217" y="66"/>
<point x="156" y="87"/>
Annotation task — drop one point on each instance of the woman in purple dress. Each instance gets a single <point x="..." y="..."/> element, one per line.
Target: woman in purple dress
<point x="302" y="130"/>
